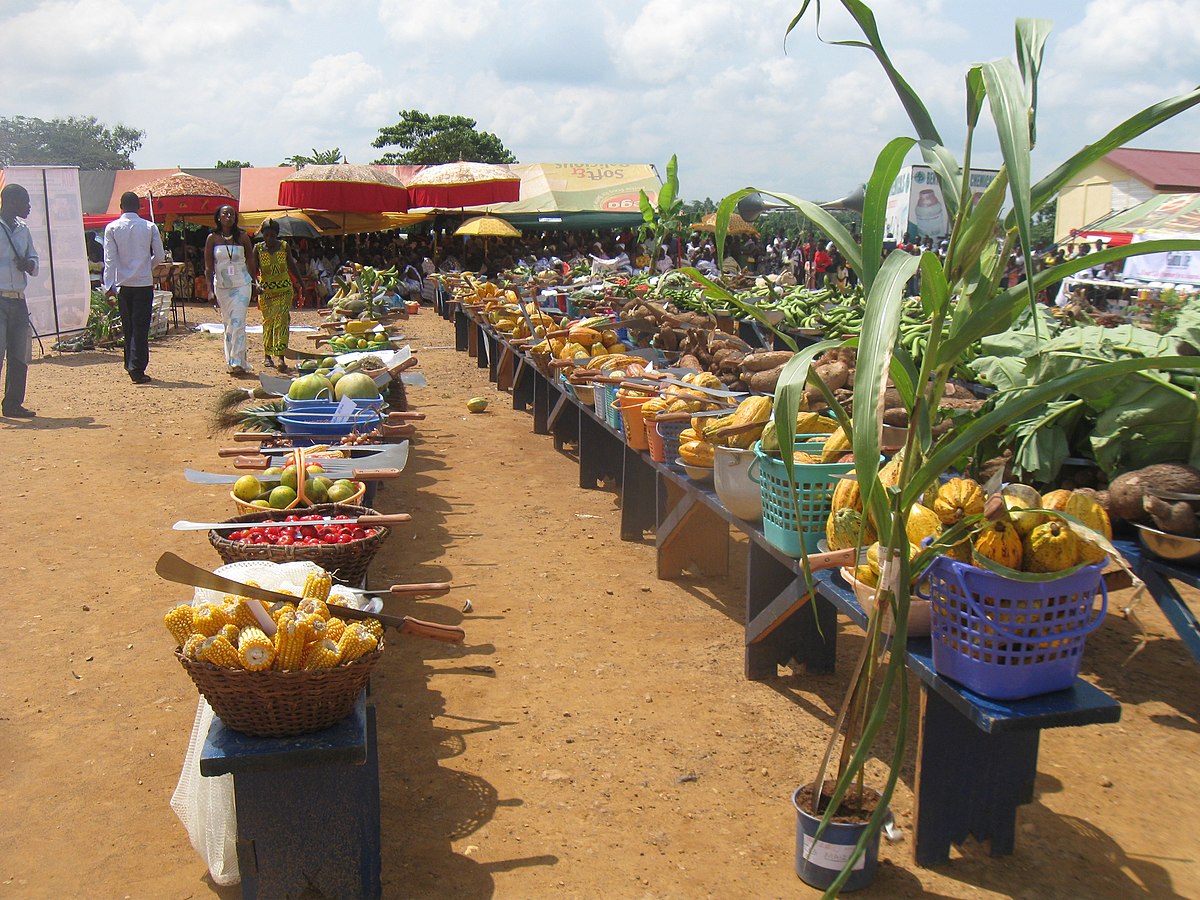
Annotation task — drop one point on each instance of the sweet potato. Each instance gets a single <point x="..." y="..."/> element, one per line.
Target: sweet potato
<point x="688" y="361"/>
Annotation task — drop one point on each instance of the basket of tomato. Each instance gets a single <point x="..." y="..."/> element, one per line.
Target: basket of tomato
<point x="343" y="548"/>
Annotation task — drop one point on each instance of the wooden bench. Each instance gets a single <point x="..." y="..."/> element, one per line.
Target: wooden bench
<point x="976" y="758"/>
<point x="307" y="807"/>
<point x="1159" y="576"/>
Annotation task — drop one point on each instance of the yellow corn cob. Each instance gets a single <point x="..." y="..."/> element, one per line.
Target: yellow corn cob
<point x="356" y="641"/>
<point x="317" y="585"/>
<point x="278" y="610"/>
<point x="192" y="644"/>
<point x="373" y="628"/>
<point x="230" y="633"/>
<point x="239" y="613"/>
<point x="289" y="644"/>
<point x="317" y="628"/>
<point x="256" y="651"/>
<point x="334" y="629"/>
<point x="322" y="655"/>
<point x="218" y="651"/>
<point x="314" y="606"/>
<point x="208" y="619"/>
<point x="179" y="623"/>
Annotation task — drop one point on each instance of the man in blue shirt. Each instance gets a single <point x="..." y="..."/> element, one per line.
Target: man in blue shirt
<point x="132" y="248"/>
<point x="18" y="260"/>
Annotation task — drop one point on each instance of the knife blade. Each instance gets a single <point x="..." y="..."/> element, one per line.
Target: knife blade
<point x="392" y="519"/>
<point x="197" y="477"/>
<point x="174" y="568"/>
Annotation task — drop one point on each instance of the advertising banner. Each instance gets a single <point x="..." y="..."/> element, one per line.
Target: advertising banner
<point x="59" y="297"/>
<point x="916" y="208"/>
<point x="1179" y="266"/>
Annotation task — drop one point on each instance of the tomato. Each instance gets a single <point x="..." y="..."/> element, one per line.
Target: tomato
<point x="308" y="531"/>
<point x="329" y="539"/>
<point x="285" y="539"/>
<point x="345" y="539"/>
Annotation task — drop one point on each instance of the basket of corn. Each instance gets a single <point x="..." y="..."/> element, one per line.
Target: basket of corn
<point x="344" y="549"/>
<point x="304" y="677"/>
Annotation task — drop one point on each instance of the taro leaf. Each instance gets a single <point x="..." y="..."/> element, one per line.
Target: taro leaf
<point x="1146" y="420"/>
<point x="1043" y="440"/>
<point x="1004" y="373"/>
<point x="1187" y="326"/>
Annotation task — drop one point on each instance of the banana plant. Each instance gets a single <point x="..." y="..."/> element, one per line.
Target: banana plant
<point x="662" y="219"/>
<point x="964" y="299"/>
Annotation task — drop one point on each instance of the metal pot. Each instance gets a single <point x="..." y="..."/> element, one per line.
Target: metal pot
<point x="731" y="479"/>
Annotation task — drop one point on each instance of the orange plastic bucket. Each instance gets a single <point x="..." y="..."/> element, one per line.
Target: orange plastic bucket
<point x="654" y="441"/>
<point x="635" y="425"/>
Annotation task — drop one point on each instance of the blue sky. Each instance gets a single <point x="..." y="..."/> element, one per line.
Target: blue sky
<point x="617" y="81"/>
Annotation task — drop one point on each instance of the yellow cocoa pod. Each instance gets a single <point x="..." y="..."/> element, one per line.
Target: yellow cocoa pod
<point x="957" y="498"/>
<point x="1052" y="547"/>
<point x="1000" y="543"/>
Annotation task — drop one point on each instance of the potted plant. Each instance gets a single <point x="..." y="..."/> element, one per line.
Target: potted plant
<point x="964" y="299"/>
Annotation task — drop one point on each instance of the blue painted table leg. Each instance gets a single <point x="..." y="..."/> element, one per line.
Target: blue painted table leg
<point x="1182" y="619"/>
<point x="969" y="782"/>
<point x="485" y="351"/>
<point x="639" y="497"/>
<point x="462" y="327"/>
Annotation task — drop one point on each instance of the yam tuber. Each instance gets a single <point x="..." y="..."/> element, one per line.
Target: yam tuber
<point x="765" y="381"/>
<point x="1127" y="492"/>
<point x="834" y="374"/>
<point x="763" y="360"/>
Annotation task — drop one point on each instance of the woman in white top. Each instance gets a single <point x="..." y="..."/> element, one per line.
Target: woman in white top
<point x="232" y="275"/>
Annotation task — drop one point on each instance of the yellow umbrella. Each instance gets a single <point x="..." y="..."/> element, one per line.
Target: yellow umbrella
<point x="487" y="226"/>
<point x="737" y="225"/>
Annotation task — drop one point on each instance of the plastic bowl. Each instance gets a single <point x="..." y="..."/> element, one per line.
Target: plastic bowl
<point x="1171" y="547"/>
<point x="696" y="473"/>
<point x="918" y="609"/>
<point x="328" y="406"/>
<point x="320" y="423"/>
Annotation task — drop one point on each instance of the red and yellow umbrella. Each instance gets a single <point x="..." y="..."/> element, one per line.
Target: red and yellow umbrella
<point x="344" y="188"/>
<point x="460" y="184"/>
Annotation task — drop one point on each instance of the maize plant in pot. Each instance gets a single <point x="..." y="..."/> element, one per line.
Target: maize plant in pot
<point x="965" y="300"/>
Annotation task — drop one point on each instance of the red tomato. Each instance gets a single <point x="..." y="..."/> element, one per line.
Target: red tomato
<point x="345" y="539"/>
<point x="285" y="539"/>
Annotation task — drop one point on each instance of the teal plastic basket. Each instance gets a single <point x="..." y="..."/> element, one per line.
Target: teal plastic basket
<point x="670" y="432"/>
<point x="794" y="517"/>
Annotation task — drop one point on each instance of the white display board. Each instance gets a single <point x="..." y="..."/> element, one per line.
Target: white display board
<point x="59" y="297"/>
<point x="1179" y="266"/>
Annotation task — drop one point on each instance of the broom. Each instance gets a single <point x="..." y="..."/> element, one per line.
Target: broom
<point x="225" y="414"/>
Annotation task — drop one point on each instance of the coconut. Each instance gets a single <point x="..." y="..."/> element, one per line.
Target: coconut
<point x="310" y="387"/>
<point x="356" y="385"/>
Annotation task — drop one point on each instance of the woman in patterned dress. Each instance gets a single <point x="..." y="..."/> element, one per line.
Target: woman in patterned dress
<point x="277" y="291"/>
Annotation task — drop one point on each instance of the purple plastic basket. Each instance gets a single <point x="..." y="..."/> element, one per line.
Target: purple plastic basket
<point x="1007" y="639"/>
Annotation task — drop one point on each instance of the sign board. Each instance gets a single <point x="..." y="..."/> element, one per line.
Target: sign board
<point x="1178" y="266"/>
<point x="59" y="297"/>
<point x="916" y="208"/>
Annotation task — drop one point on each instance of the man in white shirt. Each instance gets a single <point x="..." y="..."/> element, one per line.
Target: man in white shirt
<point x="132" y="248"/>
<point x="18" y="260"/>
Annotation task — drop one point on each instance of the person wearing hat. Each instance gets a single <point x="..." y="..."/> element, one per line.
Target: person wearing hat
<point x="132" y="248"/>
<point x="276" y="291"/>
<point x="18" y="260"/>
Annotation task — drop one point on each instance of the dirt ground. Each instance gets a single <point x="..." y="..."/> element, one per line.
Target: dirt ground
<point x="593" y="737"/>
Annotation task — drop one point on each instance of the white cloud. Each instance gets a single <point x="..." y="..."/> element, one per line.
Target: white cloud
<point x="615" y="80"/>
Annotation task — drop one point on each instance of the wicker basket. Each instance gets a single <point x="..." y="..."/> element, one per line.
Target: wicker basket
<point x="281" y="704"/>
<point x="245" y="507"/>
<point x="346" y="563"/>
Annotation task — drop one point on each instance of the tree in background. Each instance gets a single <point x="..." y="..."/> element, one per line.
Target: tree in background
<point x="429" y="140"/>
<point x="695" y="210"/>
<point x="231" y="164"/>
<point x="318" y="158"/>
<point x="82" y="141"/>
<point x="1042" y="232"/>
